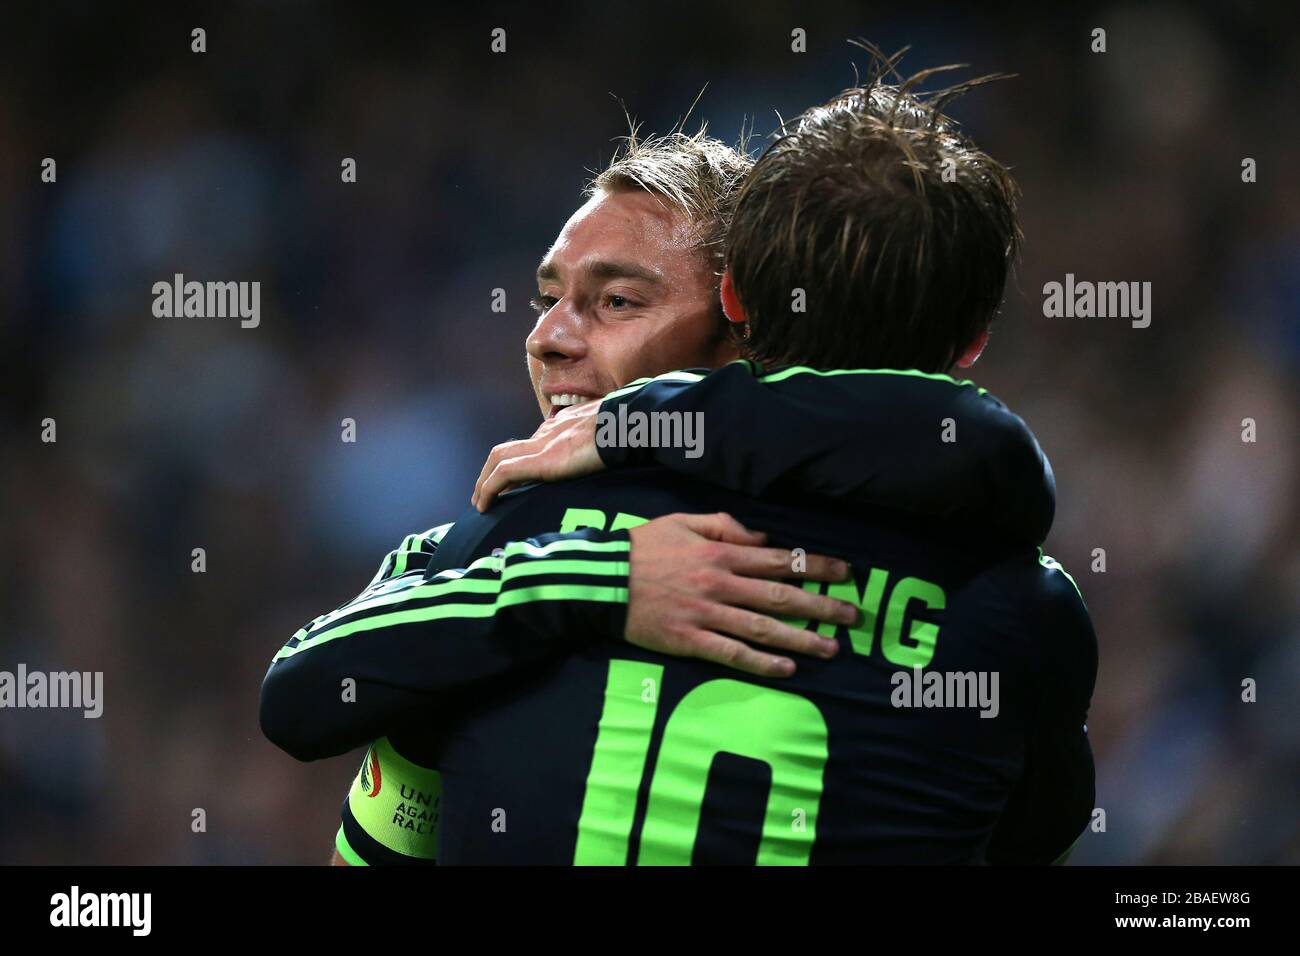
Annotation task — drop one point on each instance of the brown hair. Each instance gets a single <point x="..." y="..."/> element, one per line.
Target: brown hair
<point x="897" y="228"/>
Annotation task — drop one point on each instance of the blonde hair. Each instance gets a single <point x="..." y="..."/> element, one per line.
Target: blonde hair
<point x="698" y="173"/>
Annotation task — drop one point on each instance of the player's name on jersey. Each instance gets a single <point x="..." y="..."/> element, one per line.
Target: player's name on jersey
<point x="637" y="429"/>
<point x="895" y="606"/>
<point x="75" y="690"/>
<point x="208" y="300"/>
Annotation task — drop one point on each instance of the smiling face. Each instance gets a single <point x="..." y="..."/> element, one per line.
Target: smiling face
<point x="624" y="293"/>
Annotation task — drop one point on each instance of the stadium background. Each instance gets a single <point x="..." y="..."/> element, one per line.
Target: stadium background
<point x="176" y="433"/>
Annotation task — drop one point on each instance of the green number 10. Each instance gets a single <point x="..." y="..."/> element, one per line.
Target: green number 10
<point x="784" y="730"/>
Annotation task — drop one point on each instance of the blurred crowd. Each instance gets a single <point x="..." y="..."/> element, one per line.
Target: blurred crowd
<point x="176" y="434"/>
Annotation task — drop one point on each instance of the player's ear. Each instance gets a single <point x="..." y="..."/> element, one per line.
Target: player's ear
<point x="968" y="357"/>
<point x="731" y="306"/>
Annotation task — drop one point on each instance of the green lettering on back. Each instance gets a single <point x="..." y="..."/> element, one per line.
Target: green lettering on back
<point x="923" y="634"/>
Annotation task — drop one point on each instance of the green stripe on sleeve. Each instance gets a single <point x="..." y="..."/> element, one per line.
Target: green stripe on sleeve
<point x="458" y="582"/>
<point x="438" y="612"/>
<point x="409" y="544"/>
<point x="389" y="603"/>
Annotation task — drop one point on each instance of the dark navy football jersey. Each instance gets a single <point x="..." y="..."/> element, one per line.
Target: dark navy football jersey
<point x="614" y="755"/>
<point x="950" y="728"/>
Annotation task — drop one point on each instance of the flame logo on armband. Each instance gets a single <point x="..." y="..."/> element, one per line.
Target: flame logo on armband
<point x="370" y="772"/>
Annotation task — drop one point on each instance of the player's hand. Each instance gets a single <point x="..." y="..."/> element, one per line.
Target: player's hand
<point x="562" y="447"/>
<point x="699" y="582"/>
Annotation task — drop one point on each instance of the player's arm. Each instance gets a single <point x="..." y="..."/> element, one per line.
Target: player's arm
<point x="1052" y="803"/>
<point x="411" y="556"/>
<point x="697" y="585"/>
<point x="390" y="815"/>
<point x="351" y="675"/>
<point x="925" y="445"/>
